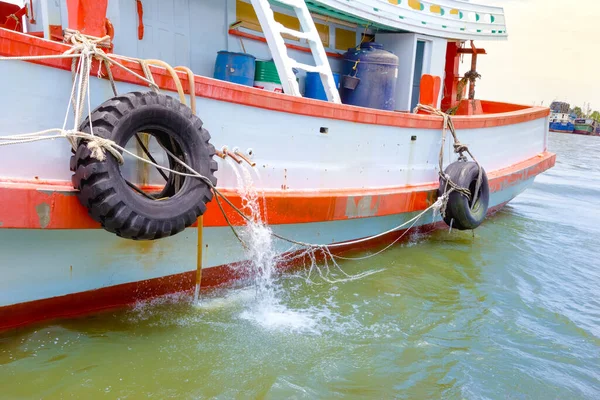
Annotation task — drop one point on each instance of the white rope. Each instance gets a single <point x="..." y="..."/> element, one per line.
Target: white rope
<point x="86" y="49"/>
<point x="435" y="206"/>
<point x="412" y="221"/>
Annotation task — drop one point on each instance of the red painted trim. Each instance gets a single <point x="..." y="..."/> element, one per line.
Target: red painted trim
<point x="78" y="304"/>
<point x="235" y="32"/>
<point x="140" y="12"/>
<point x="494" y="107"/>
<point x="88" y="17"/>
<point x="20" y="201"/>
<point x="18" y="44"/>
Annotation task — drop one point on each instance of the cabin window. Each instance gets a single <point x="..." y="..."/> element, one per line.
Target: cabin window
<point x="344" y="39"/>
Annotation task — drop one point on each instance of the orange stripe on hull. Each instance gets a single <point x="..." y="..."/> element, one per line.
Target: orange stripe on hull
<point x="35" y="205"/>
<point x="14" y="44"/>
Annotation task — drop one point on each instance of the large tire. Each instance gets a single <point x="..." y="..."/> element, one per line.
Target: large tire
<point x="460" y="213"/>
<point x="104" y="191"/>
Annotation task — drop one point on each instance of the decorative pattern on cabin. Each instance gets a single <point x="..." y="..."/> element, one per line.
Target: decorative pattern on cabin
<point x="452" y="19"/>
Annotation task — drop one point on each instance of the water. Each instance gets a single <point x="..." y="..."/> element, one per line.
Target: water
<point x="511" y="313"/>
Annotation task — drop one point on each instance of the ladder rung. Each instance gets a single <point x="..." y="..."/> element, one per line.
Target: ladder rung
<point x="274" y="30"/>
<point x="297" y="34"/>
<point x="306" y="67"/>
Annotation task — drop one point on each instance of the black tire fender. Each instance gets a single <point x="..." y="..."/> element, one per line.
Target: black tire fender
<point x="104" y="191"/>
<point x="460" y="213"/>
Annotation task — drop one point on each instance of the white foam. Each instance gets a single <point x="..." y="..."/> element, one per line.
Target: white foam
<point x="279" y="317"/>
<point x="232" y="298"/>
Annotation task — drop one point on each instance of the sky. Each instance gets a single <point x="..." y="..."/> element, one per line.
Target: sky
<point x="552" y="53"/>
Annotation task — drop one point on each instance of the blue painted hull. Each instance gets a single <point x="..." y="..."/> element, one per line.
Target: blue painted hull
<point x="562" y="127"/>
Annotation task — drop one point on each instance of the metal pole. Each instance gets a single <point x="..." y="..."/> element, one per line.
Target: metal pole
<point x="199" y="259"/>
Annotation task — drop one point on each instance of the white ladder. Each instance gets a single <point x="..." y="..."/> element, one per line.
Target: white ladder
<point x="273" y="31"/>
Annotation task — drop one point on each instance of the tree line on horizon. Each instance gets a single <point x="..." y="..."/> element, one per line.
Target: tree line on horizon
<point x="588" y="113"/>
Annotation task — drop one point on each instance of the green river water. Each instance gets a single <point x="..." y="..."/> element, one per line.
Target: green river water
<point x="513" y="312"/>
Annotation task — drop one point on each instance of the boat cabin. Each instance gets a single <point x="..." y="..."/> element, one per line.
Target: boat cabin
<point x="427" y="37"/>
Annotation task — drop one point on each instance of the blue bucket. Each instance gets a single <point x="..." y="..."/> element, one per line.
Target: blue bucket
<point x="235" y="67"/>
<point x="313" y="87"/>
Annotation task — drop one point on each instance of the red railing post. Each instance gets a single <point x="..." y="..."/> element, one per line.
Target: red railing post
<point x="88" y="17"/>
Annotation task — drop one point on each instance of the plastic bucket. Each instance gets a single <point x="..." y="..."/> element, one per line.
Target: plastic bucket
<point x="235" y="67"/>
<point x="266" y="76"/>
<point x="266" y="71"/>
<point x="313" y="86"/>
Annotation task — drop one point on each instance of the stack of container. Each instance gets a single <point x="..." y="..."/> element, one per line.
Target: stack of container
<point x="368" y="79"/>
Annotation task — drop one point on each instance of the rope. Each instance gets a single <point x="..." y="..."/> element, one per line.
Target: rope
<point x="459" y="148"/>
<point x="84" y="50"/>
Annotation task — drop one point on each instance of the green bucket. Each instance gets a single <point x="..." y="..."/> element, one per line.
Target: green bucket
<point x="265" y="71"/>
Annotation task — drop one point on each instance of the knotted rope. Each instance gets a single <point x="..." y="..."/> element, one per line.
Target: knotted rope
<point x="86" y="48"/>
<point x="460" y="149"/>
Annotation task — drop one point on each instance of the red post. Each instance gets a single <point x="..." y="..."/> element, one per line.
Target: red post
<point x="451" y="79"/>
<point x="88" y="17"/>
<point x="430" y="90"/>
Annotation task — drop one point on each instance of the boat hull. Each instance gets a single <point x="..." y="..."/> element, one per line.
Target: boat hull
<point x="561" y="127"/>
<point x="326" y="173"/>
<point x="78" y="271"/>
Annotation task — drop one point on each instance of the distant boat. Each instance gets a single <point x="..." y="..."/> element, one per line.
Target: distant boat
<point x="586" y="126"/>
<point x="561" y="122"/>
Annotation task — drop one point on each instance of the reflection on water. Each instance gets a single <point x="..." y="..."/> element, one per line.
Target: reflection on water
<point x="511" y="312"/>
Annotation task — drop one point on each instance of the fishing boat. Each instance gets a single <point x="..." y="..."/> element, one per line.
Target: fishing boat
<point x="112" y="190"/>
<point x="561" y="122"/>
<point x="585" y="126"/>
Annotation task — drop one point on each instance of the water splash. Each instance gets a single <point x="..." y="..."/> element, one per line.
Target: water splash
<point x="257" y="235"/>
<point x="268" y="308"/>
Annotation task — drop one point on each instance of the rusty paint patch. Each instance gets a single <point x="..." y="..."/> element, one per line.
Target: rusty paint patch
<point x="43" y="212"/>
<point x="284" y="186"/>
<point x="147" y="253"/>
<point x="432" y="196"/>
<point x="362" y="206"/>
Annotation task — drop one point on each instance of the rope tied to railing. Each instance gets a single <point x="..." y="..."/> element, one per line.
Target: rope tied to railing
<point x="86" y="48"/>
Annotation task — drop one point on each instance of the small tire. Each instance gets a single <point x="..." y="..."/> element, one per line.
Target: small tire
<point x="104" y="191"/>
<point x="460" y="213"/>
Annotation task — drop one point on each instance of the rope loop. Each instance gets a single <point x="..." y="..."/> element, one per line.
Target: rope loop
<point x="459" y="148"/>
<point x="86" y="48"/>
<point x="98" y="146"/>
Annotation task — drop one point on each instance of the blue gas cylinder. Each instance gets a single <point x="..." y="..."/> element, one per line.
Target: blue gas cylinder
<point x="369" y="76"/>
<point x="235" y="67"/>
<point x="313" y="85"/>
